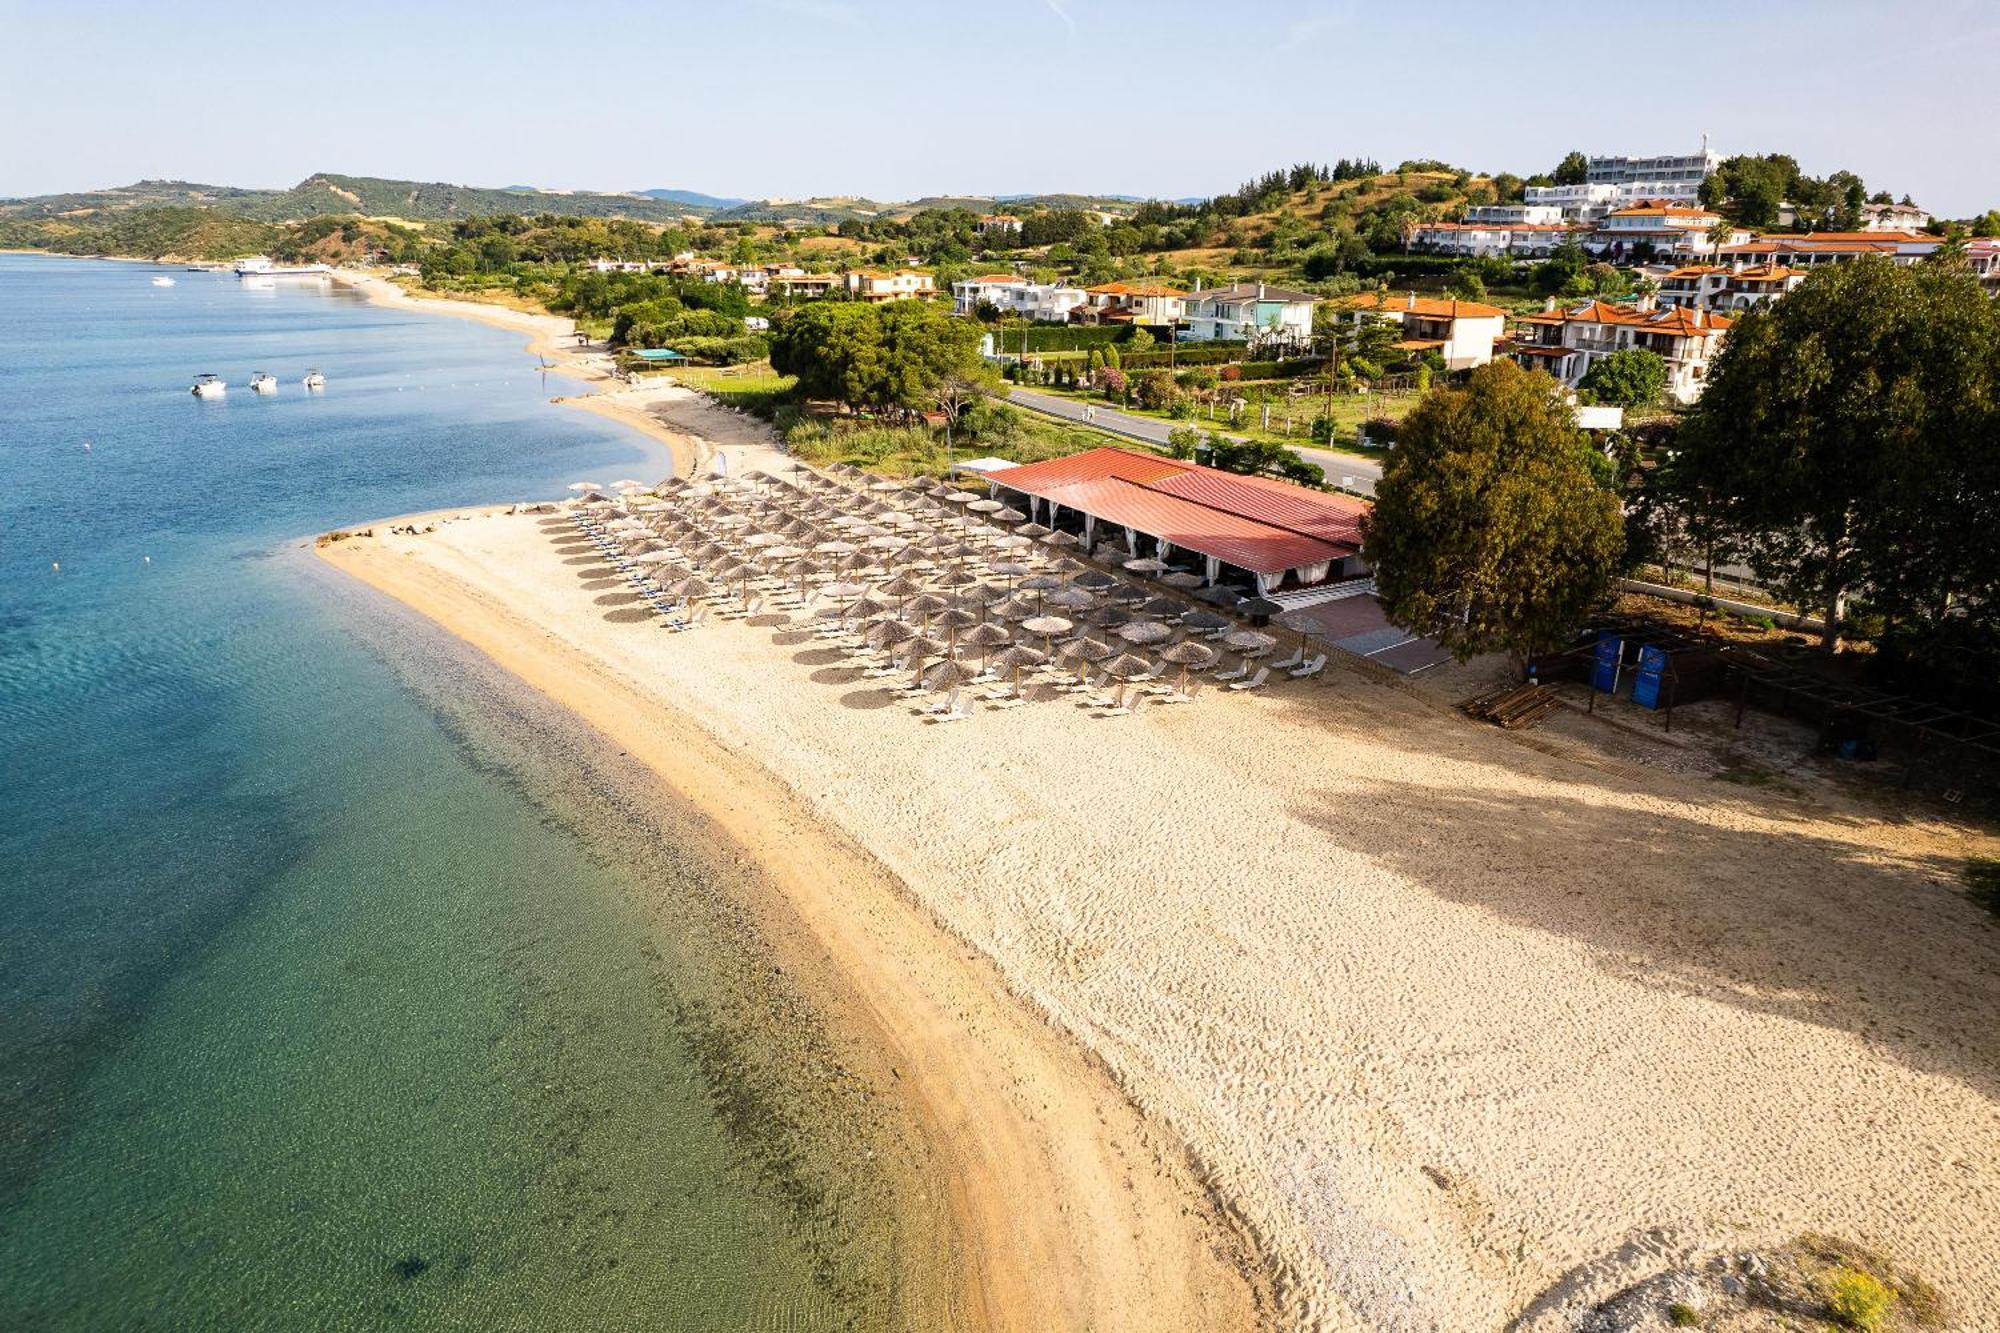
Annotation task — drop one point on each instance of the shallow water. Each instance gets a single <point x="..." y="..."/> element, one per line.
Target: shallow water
<point x="343" y="983"/>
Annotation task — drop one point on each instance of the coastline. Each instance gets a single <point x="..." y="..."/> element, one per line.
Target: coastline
<point x="1439" y="1075"/>
<point x="1062" y="1206"/>
<point x="673" y="415"/>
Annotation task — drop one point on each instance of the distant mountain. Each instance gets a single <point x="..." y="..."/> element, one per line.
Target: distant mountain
<point x="325" y="193"/>
<point x="693" y="198"/>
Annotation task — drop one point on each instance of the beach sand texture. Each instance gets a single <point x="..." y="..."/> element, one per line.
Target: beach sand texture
<point x="1446" y="1021"/>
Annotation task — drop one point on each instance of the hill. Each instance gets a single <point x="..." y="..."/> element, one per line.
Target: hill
<point x="326" y="194"/>
<point x="164" y="232"/>
<point x="692" y="198"/>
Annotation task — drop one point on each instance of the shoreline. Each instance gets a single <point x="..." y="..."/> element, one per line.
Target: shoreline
<point x="1102" y="1225"/>
<point x="1431" y="1072"/>
<point x="669" y="414"/>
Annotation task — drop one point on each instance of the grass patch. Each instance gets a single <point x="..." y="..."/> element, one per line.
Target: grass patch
<point x="916" y="451"/>
<point x="756" y="389"/>
<point x="1858" y="1300"/>
<point x="1682" y="1315"/>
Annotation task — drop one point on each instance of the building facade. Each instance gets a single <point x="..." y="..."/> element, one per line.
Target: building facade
<point x="1133" y="303"/>
<point x="877" y="286"/>
<point x="1266" y="317"/>
<point x="1495" y="240"/>
<point x="1012" y="294"/>
<point x="1566" y="342"/>
<point x="1462" y="332"/>
<point x="1730" y="288"/>
<point x="1659" y="227"/>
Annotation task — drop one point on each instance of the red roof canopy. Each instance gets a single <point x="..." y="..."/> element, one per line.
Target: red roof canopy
<point x="1255" y="523"/>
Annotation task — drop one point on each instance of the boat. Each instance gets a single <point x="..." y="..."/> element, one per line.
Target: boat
<point x="209" y="386"/>
<point x="261" y="266"/>
<point x="264" y="382"/>
<point x="314" y="380"/>
<point x="163" y="281"/>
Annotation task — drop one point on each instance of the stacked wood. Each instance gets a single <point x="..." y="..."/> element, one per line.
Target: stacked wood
<point x="1513" y="706"/>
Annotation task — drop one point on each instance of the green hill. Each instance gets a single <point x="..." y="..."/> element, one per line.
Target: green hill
<point x="326" y="194"/>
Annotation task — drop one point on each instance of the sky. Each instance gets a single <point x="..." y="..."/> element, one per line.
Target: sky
<point x="896" y="99"/>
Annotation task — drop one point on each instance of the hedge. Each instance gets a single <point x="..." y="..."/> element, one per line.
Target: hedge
<point x="1276" y="370"/>
<point x="1189" y="354"/>
<point x="1062" y="337"/>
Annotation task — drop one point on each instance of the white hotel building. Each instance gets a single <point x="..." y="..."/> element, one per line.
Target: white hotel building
<point x="1612" y="183"/>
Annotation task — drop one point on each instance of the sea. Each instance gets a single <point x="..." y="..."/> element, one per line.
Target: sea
<point x="344" y="984"/>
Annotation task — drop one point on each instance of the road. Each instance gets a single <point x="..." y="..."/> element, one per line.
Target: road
<point x="1348" y="471"/>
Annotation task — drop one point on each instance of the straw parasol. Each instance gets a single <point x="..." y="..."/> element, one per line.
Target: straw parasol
<point x="1203" y="620"/>
<point x="1144" y="631"/>
<point x="1163" y="607"/>
<point x="1017" y="659"/>
<point x="1007" y="515"/>
<point x="1180" y="578"/>
<point x="1071" y="599"/>
<point x="1031" y="530"/>
<point x="1082" y="653"/>
<point x="1064" y="539"/>
<point x="1125" y="666"/>
<point x="985" y="636"/>
<point x="1016" y="608"/>
<point x="1189" y="657"/>
<point x="1109" y="616"/>
<point x="690" y="588"/>
<point x="945" y="675"/>
<point x="1046" y="627"/>
<point x="1146" y="564"/>
<point x="1093" y="579"/>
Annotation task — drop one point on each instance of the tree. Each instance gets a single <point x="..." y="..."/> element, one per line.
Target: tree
<point x="1573" y="169"/>
<point x="959" y="390"/>
<point x="1491" y="530"/>
<point x="1629" y="377"/>
<point x="1361" y="347"/>
<point x="1182" y="441"/>
<point x="1847" y="433"/>
<point x="1466" y="286"/>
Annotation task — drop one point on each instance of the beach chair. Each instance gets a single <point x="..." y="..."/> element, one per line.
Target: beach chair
<point x="1195" y="684"/>
<point x="1255" y="682"/>
<point x="1312" y="668"/>
<point x="961" y="709"/>
<point x="1298" y="656"/>
<point x="936" y="706"/>
<point x="1116" y="706"/>
<point x="1237" y="674"/>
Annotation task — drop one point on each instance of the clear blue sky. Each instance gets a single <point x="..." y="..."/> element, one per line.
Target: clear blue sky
<point x="895" y="99"/>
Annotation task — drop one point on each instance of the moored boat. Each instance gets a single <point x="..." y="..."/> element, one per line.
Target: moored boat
<point x="209" y="386"/>
<point x="264" y="382"/>
<point x="163" y="281"/>
<point x="314" y="380"/>
<point x="262" y="266"/>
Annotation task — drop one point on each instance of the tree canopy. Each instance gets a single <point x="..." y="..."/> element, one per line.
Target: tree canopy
<point x="892" y="356"/>
<point x="1849" y="434"/>
<point x="1491" y="529"/>
<point x="1629" y="377"/>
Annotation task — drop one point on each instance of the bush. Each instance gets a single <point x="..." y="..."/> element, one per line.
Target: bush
<point x="1156" y="390"/>
<point x="1857" y="1299"/>
<point x="1112" y="380"/>
<point x="1182" y="441"/>
<point x="1381" y="431"/>
<point x="1982" y="878"/>
<point x="1682" y="1315"/>
<point x="1187" y="354"/>
<point x="1230" y="374"/>
<point x="1063" y="337"/>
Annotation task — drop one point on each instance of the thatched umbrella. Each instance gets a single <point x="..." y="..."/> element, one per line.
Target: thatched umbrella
<point x="985" y="636"/>
<point x="1110" y="617"/>
<point x="690" y="588"/>
<point x="1017" y="659"/>
<point x="1146" y="565"/>
<point x="1047" y="627"/>
<point x="927" y="605"/>
<point x="1301" y="624"/>
<point x="986" y="507"/>
<point x="1016" y="608"/>
<point x="1249" y="643"/>
<point x="889" y="633"/>
<point x="1082" y="653"/>
<point x="1144" y="631"/>
<point x="1190" y="657"/>
<point x="1180" y="578"/>
<point x="1071" y="599"/>
<point x="1125" y="667"/>
<point x="1094" y="579"/>
<point x="902" y="586"/>
<point x="1012" y="569"/>
<point x="1010" y="516"/>
<point x="1163" y="607"/>
<point x="1203" y="621"/>
<point x="1031" y="530"/>
<point x="1065" y="540"/>
<point x="946" y="675"/>
<point x="861" y="608"/>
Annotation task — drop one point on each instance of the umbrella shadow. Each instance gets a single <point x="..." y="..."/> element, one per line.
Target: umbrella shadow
<point x="589" y="559"/>
<point x="769" y="620"/>
<point x="792" y="638"/>
<point x="630" y="615"/>
<point x="615" y="598"/>
<point x="1798" y="925"/>
<point x="869" y="700"/>
<point x="836" y="675"/>
<point x="598" y="584"/>
<point x="819" y="657"/>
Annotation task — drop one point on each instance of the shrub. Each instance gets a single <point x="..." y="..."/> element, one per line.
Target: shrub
<point x="1182" y="441"/>
<point x="1857" y="1299"/>
<point x="1230" y="374"/>
<point x="1155" y="389"/>
<point x="1982" y="876"/>
<point x="1381" y="431"/>
<point x="1682" y="1315"/>
<point x="1112" y="380"/>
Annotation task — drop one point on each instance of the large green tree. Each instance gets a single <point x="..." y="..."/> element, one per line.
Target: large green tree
<point x="1849" y="435"/>
<point x="1629" y="377"/>
<point x="1491" y="529"/>
<point x="883" y="358"/>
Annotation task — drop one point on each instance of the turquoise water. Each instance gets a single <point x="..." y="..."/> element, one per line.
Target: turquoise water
<point x="342" y="985"/>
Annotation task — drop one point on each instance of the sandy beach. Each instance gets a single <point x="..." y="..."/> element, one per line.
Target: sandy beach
<point x="679" y="418"/>
<point x="1461" y="1030"/>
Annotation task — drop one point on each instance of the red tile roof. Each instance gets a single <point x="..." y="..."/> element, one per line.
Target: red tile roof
<point x="1429" y="307"/>
<point x="1255" y="523"/>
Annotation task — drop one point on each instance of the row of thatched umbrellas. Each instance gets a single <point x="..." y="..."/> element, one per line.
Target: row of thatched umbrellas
<point x="909" y="573"/>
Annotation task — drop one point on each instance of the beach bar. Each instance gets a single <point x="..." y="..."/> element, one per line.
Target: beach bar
<point x="1279" y="535"/>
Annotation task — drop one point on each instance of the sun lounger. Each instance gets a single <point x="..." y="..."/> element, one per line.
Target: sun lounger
<point x="1312" y="668"/>
<point x="1255" y="682"/>
<point x="1177" y="697"/>
<point x="1288" y="663"/>
<point x="1237" y="674"/>
<point x="961" y="709"/>
<point x="944" y="705"/>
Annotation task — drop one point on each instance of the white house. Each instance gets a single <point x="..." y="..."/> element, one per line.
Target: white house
<point x="1012" y="294"/>
<point x="802" y="286"/>
<point x="1567" y="342"/>
<point x="1500" y="240"/>
<point x="1612" y="183"/>
<point x="1462" y="332"/>
<point x="1252" y="312"/>
<point x="1677" y="230"/>
<point x="1832" y="247"/>
<point x="1514" y="214"/>
<point x="997" y="222"/>
<point x="1893" y="217"/>
<point x="1727" y="287"/>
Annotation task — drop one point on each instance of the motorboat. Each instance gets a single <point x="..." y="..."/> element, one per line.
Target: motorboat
<point x="163" y="281"/>
<point x="209" y="386"/>
<point x="314" y="380"/>
<point x="263" y="382"/>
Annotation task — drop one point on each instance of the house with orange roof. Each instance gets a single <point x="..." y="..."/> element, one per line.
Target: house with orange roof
<point x="1462" y="332"/>
<point x="1660" y="227"/>
<point x="1567" y="341"/>
<point x="1805" y="249"/>
<point x="802" y="286"/>
<point x="874" y="285"/>
<point x="1735" y="286"/>
<point x="1133" y="303"/>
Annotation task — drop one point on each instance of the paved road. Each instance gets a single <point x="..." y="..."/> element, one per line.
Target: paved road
<point x="1349" y="471"/>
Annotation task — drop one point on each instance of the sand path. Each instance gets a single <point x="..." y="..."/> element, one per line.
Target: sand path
<point x="1447" y="1020"/>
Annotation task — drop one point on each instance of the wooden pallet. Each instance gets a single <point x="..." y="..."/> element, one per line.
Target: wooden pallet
<point x="1514" y="707"/>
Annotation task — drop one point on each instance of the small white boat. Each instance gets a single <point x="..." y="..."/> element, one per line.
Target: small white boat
<point x="209" y="386"/>
<point x="314" y="380"/>
<point x="262" y="382"/>
<point x="163" y="281"/>
<point x="261" y="266"/>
